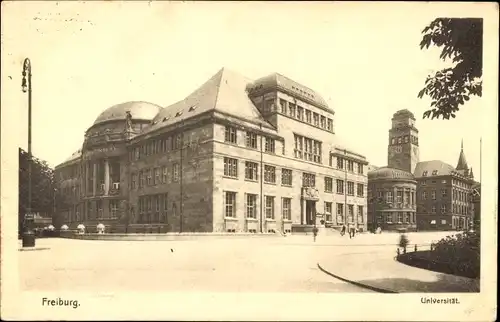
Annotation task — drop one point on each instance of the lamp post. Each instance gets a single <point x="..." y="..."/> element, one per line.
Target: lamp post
<point x="28" y="234"/>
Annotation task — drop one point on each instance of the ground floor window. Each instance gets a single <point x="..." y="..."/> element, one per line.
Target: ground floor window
<point x="286" y="207"/>
<point x="328" y="211"/>
<point x="251" y="205"/>
<point x="230" y="204"/>
<point x="269" y="207"/>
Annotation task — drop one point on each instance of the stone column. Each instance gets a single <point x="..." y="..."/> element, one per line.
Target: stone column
<point x="106" y="177"/>
<point x="94" y="175"/>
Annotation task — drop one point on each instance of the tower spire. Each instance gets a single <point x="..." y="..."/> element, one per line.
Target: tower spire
<point x="462" y="162"/>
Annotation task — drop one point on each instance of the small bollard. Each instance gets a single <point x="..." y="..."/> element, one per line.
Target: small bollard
<point x="415" y="247"/>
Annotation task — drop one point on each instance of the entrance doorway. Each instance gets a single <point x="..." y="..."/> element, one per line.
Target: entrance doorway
<point x="310" y="212"/>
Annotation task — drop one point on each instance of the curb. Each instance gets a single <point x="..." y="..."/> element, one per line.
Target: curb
<point x="373" y="288"/>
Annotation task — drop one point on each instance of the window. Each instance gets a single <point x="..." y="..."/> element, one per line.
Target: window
<point x="330" y="125"/>
<point x="176" y="142"/>
<point x="291" y="109"/>
<point x="443" y="221"/>
<point x="360" y="168"/>
<point x="150" y="177"/>
<point x="269" y="145"/>
<point x="328" y="184"/>
<point x="350" y="165"/>
<point x="328" y="211"/>
<point x="283" y="106"/>
<point x="360" y="214"/>
<point x="251" y="140"/>
<point x="157" y="176"/>
<point x="230" y="134"/>
<point x="443" y="192"/>
<point x="443" y="181"/>
<point x="307" y="149"/>
<point x="350" y="188"/>
<point x="113" y="208"/>
<point x="286" y="177"/>
<point x="251" y="171"/>
<point x="361" y="189"/>
<point x="269" y="174"/>
<point x="133" y="180"/>
<point x="175" y="172"/>
<point x="389" y="197"/>
<point x="251" y="205"/>
<point x="164" y="171"/>
<point x="400" y="217"/>
<point x="141" y="179"/>
<point x="308" y="180"/>
<point x="399" y="196"/>
<point x="287" y="208"/>
<point x="231" y="167"/>
<point x="165" y="203"/>
<point x="405" y="218"/>
<point x="340" y="212"/>
<point x="433" y="209"/>
<point x="406" y="138"/>
<point x="340" y="186"/>
<point x="269" y="207"/>
<point x="340" y="163"/>
<point x="424" y="174"/>
<point x="300" y="113"/>
<point x="434" y="172"/>
<point x="433" y="194"/>
<point x="350" y="212"/>
<point x="230" y="204"/>
<point x="323" y="122"/>
<point x="316" y="119"/>
<point x="443" y="209"/>
<point x="424" y="195"/>
<point x="308" y="116"/>
<point x="388" y="218"/>
<point x="399" y="140"/>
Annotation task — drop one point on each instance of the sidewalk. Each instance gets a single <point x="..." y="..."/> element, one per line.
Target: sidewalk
<point x="381" y="272"/>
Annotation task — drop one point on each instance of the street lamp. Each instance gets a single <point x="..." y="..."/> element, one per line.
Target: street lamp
<point x="28" y="234"/>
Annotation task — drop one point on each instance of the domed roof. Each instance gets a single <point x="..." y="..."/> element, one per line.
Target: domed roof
<point x="139" y="110"/>
<point x="389" y="174"/>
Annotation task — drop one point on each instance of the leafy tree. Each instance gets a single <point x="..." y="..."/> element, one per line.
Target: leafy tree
<point x="462" y="42"/>
<point x="42" y="187"/>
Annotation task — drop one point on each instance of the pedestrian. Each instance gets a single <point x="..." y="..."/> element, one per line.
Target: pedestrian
<point x="351" y="230"/>
<point x="342" y="231"/>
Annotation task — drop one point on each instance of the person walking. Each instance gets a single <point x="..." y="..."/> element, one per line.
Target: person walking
<point x="343" y="229"/>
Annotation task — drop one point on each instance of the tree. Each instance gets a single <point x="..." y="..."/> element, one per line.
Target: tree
<point x="462" y="42"/>
<point x="42" y="186"/>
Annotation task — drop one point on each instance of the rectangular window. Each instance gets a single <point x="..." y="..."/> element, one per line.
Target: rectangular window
<point x="291" y="108"/>
<point x="316" y="119"/>
<point x="230" y="134"/>
<point x="330" y="125"/>
<point x="308" y="180"/>
<point x="350" y="166"/>
<point x="165" y="203"/>
<point x="251" y="205"/>
<point x="287" y="208"/>
<point x="283" y="106"/>
<point x="308" y="116"/>
<point x="360" y="168"/>
<point x="175" y="172"/>
<point x="230" y="204"/>
<point x="424" y="195"/>
<point x="300" y="113"/>
<point x="323" y="122"/>
<point x="389" y="197"/>
<point x="286" y="177"/>
<point x="328" y="184"/>
<point x="150" y="177"/>
<point x="307" y="149"/>
<point x="251" y="140"/>
<point x="400" y="217"/>
<point x="133" y="181"/>
<point x="251" y="171"/>
<point x="269" y="174"/>
<point x="113" y="208"/>
<point x="340" y="163"/>
<point x="388" y="218"/>
<point x="340" y="213"/>
<point x="361" y="214"/>
<point x="157" y="176"/>
<point x="443" y="192"/>
<point x="164" y="171"/>
<point x="269" y="207"/>
<point x="340" y="186"/>
<point x="176" y="142"/>
<point x="231" y="167"/>
<point x="269" y="145"/>
<point x="360" y="189"/>
<point x="350" y="212"/>
<point x="433" y="209"/>
<point x="350" y="188"/>
<point x="433" y="193"/>
<point x="443" y="209"/>
<point x="328" y="211"/>
<point x="399" y="196"/>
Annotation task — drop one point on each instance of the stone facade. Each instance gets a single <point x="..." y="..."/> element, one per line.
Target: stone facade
<point x="234" y="156"/>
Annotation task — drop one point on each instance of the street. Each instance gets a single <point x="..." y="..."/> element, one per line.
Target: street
<point x="274" y="264"/>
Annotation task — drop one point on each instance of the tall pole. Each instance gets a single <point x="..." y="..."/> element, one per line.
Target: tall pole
<point x="261" y="180"/>
<point x="345" y="187"/>
<point x="180" y="174"/>
<point x="28" y="236"/>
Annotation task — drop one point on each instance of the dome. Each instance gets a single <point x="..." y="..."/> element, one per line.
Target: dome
<point x="140" y="111"/>
<point x="390" y="174"/>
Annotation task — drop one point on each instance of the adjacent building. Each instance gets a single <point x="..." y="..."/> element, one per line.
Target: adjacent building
<point x="418" y="195"/>
<point x="236" y="155"/>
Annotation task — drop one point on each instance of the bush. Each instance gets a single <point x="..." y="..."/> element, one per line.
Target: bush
<point x="461" y="251"/>
<point x="403" y="241"/>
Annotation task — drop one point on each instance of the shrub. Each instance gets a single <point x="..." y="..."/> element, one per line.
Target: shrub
<point x="403" y="241"/>
<point x="461" y="251"/>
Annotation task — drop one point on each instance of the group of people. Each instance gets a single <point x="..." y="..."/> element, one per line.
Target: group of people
<point x="351" y="228"/>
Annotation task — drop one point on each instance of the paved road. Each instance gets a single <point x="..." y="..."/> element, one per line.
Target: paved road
<point x="275" y="264"/>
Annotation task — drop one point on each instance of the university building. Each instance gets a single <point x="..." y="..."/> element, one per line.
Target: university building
<point x="236" y="155"/>
<point x="418" y="195"/>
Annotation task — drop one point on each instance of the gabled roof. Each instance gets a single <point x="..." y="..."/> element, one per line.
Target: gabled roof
<point x="441" y="167"/>
<point x="225" y="92"/>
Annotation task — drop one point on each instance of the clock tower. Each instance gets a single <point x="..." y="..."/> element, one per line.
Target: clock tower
<point x="403" y="151"/>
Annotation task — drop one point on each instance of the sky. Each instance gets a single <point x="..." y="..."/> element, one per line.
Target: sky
<point x="364" y="59"/>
